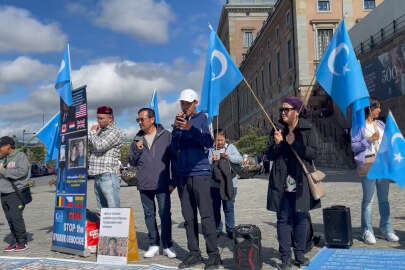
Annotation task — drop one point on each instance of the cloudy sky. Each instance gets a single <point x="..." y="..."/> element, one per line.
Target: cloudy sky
<point x="121" y="49"/>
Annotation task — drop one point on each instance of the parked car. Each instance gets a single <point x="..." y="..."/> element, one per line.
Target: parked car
<point x="36" y="170"/>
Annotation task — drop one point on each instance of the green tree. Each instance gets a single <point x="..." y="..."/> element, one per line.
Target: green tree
<point x="253" y="142"/>
<point x="36" y="154"/>
<point x="125" y="153"/>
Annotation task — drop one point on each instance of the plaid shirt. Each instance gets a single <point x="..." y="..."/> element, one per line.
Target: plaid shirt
<point x="104" y="157"/>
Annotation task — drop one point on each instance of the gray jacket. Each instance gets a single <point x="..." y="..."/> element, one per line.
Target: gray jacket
<point x="153" y="165"/>
<point x="18" y="171"/>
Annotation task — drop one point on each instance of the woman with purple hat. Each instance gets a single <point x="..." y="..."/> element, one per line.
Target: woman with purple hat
<point x="289" y="194"/>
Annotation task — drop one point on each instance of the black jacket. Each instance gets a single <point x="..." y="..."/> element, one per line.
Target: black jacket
<point x="281" y="155"/>
<point x="153" y="165"/>
<point x="222" y="173"/>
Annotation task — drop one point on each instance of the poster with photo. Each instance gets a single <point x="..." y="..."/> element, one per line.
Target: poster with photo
<point x="77" y="153"/>
<point x="117" y="243"/>
<point x="69" y="230"/>
<point x="385" y="74"/>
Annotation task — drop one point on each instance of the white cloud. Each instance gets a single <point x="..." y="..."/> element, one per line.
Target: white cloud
<point x="24" y="71"/>
<point x="145" y="20"/>
<point x="20" y="32"/>
<point x="124" y="85"/>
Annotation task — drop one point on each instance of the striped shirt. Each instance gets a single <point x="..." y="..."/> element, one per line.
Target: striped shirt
<point x="106" y="150"/>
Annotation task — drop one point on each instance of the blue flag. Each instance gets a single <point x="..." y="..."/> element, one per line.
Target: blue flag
<point x="390" y="160"/>
<point x="358" y="115"/>
<point x="63" y="83"/>
<point x="221" y="77"/>
<point x="154" y="106"/>
<point x="49" y="135"/>
<point x="339" y="72"/>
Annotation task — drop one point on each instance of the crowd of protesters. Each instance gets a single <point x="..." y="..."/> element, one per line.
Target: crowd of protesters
<point x="204" y="170"/>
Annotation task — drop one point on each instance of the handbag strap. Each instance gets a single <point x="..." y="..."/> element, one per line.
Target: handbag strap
<point x="302" y="162"/>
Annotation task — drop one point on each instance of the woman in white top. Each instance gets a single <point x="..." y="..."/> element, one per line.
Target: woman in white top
<point x="365" y="145"/>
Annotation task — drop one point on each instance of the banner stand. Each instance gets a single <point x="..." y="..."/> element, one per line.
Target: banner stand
<point x="84" y="253"/>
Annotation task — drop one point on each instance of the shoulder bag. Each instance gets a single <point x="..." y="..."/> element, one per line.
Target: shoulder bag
<point x="368" y="161"/>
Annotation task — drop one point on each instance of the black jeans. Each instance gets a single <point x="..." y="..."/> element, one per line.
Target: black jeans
<point x="290" y="221"/>
<point x="195" y="192"/>
<point x="149" y="209"/>
<point x="14" y="216"/>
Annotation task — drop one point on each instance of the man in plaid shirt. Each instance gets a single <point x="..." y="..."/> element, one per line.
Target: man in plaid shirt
<point x="106" y="139"/>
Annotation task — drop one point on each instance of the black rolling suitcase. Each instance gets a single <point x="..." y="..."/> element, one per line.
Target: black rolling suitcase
<point x="247" y="252"/>
<point x="338" y="226"/>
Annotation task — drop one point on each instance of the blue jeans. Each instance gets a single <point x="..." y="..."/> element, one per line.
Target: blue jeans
<point x="227" y="206"/>
<point x="369" y="187"/>
<point x="107" y="190"/>
<point x="149" y="209"/>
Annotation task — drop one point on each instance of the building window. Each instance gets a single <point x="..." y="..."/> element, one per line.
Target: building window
<point x="262" y="82"/>
<point x="323" y="5"/>
<point x="369" y="4"/>
<point x="278" y="65"/>
<point x="277" y="33"/>
<point x="248" y="39"/>
<point x="324" y="38"/>
<point x="289" y="54"/>
<point x="270" y="79"/>
<point x="256" y="87"/>
<point x="288" y="18"/>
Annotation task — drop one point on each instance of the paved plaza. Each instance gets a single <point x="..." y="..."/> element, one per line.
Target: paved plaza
<point x="343" y="188"/>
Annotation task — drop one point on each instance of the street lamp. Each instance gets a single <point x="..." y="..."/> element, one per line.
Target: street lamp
<point x="26" y="132"/>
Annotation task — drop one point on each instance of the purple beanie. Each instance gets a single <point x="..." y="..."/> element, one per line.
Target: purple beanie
<point x="295" y="102"/>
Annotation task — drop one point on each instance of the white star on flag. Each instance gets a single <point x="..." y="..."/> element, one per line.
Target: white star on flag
<point x="398" y="157"/>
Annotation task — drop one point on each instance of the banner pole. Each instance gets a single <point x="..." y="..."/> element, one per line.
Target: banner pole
<point x="260" y="104"/>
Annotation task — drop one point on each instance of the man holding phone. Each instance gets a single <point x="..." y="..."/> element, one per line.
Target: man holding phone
<point x="190" y="142"/>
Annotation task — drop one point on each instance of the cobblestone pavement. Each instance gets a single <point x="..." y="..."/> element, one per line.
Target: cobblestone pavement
<point x="343" y="188"/>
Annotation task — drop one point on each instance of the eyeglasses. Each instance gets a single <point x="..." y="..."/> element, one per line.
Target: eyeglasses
<point x="286" y="110"/>
<point x="141" y="119"/>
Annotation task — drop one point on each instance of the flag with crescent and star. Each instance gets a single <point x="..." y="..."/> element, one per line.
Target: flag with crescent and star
<point x="63" y="83"/>
<point x="221" y="77"/>
<point x="390" y="160"/>
<point x="340" y="74"/>
<point x="154" y="106"/>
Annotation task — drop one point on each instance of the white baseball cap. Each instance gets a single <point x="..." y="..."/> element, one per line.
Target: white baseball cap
<point x="188" y="95"/>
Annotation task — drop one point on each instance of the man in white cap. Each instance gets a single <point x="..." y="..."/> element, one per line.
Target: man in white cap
<point x="191" y="139"/>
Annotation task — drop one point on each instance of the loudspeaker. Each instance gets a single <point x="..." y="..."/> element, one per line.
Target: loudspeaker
<point x="247" y="252"/>
<point x="337" y="226"/>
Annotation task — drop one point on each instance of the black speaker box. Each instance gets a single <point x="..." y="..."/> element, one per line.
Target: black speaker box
<point x="247" y="252"/>
<point x="337" y="227"/>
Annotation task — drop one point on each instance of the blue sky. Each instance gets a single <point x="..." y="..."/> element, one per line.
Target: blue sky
<point x="121" y="49"/>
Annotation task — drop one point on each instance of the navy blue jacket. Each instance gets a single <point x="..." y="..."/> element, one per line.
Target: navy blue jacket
<point x="153" y="165"/>
<point x="191" y="147"/>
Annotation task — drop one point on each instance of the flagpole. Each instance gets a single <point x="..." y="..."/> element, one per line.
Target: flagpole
<point x="260" y="104"/>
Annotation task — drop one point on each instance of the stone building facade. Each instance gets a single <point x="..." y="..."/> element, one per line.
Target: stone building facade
<point x="282" y="61"/>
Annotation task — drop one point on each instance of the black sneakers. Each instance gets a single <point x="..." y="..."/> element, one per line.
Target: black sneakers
<point x="213" y="262"/>
<point x="191" y="260"/>
<point x="302" y="261"/>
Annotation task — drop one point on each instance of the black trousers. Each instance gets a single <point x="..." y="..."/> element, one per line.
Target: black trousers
<point x="290" y="222"/>
<point x="195" y="192"/>
<point x="14" y="216"/>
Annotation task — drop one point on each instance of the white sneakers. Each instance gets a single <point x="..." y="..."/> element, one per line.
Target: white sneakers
<point x="369" y="238"/>
<point x="169" y="253"/>
<point x="392" y="237"/>
<point x="154" y="250"/>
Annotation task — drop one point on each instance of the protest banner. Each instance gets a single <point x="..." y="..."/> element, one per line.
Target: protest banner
<point x="69" y="230"/>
